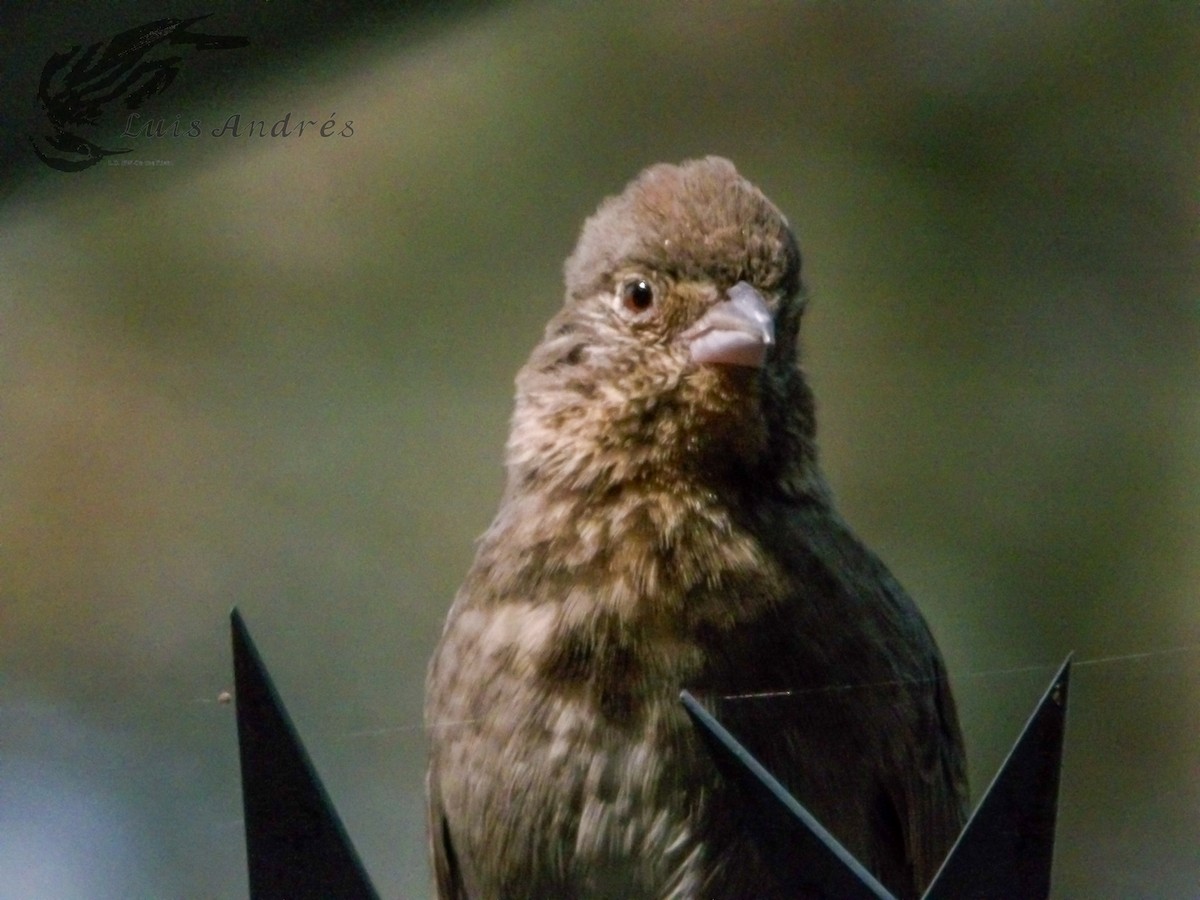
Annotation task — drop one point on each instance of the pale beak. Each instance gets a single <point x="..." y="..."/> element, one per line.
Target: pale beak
<point x="735" y="332"/>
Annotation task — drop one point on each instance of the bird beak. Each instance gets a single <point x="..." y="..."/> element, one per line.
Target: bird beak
<point x="735" y="332"/>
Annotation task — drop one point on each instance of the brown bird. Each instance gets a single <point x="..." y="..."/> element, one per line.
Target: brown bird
<point x="665" y="526"/>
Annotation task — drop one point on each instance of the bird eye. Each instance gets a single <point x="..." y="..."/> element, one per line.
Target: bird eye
<point x="637" y="295"/>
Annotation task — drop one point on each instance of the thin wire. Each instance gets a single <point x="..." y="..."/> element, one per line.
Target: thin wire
<point x="985" y="673"/>
<point x="399" y="729"/>
<point x="853" y="686"/>
<point x="1129" y="657"/>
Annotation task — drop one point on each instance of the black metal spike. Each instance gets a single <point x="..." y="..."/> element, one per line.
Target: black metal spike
<point x="1007" y="848"/>
<point x="296" y="845"/>
<point x="808" y="860"/>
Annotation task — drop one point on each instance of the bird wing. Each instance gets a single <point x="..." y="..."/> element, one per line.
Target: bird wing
<point x="926" y="780"/>
<point x="933" y="798"/>
<point x="447" y="875"/>
<point x="873" y="636"/>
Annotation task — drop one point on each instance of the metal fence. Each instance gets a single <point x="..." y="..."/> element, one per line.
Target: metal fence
<point x="297" y="847"/>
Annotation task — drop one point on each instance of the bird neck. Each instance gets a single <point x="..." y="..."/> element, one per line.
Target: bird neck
<point x="584" y="456"/>
<point x="639" y="548"/>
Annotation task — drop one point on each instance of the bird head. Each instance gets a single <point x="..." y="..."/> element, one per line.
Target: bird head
<point x="675" y="351"/>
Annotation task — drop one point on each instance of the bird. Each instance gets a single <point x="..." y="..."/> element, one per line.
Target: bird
<point x="665" y="525"/>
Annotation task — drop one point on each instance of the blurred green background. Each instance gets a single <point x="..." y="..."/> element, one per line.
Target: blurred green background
<point x="277" y="373"/>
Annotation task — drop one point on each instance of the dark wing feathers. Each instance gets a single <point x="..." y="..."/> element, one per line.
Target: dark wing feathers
<point x="921" y="792"/>
<point x="446" y="873"/>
